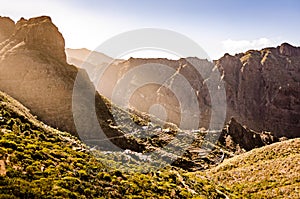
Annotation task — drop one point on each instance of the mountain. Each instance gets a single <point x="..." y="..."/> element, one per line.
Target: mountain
<point x="161" y="93"/>
<point x="91" y="61"/>
<point x="79" y="56"/>
<point x="39" y="161"/>
<point x="34" y="71"/>
<point x="238" y="138"/>
<point x="7" y="27"/>
<point x="262" y="87"/>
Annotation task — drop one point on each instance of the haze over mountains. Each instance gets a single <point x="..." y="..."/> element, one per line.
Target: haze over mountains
<point x="262" y="91"/>
<point x="34" y="70"/>
<point x="262" y="87"/>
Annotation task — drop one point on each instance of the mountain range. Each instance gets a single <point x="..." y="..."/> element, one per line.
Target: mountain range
<point x="262" y="86"/>
<point x="60" y="87"/>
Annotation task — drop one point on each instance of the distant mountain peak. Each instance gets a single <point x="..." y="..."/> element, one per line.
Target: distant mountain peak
<point x="288" y="50"/>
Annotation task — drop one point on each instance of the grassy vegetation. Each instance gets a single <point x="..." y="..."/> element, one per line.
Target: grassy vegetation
<point x="269" y="172"/>
<point x="37" y="161"/>
<point x="40" y="162"/>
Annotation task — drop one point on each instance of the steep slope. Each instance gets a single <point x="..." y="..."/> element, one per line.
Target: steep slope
<point x="238" y="138"/>
<point x="147" y="95"/>
<point x="268" y="172"/>
<point x="34" y="71"/>
<point x="7" y="27"/>
<point x="262" y="87"/>
<point x="37" y="161"/>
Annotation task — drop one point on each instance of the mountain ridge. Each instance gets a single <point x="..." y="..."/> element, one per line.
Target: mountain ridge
<point x="262" y="87"/>
<point x="38" y="161"/>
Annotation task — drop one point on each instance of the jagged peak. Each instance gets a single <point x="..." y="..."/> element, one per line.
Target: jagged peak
<point x="285" y="49"/>
<point x="7" y="27"/>
<point x="163" y="59"/>
<point x="39" y="33"/>
<point x="7" y="19"/>
<point x="288" y="50"/>
<point x="286" y="45"/>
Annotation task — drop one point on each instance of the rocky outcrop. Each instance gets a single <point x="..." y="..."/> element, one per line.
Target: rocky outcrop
<point x="7" y="27"/>
<point x="263" y="89"/>
<point x="288" y="50"/>
<point x="238" y="138"/>
<point x="39" y="34"/>
<point x="34" y="71"/>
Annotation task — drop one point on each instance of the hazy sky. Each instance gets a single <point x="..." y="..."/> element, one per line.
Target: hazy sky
<point x="218" y="26"/>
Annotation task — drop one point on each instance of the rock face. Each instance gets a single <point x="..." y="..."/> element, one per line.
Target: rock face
<point x="262" y="88"/>
<point x="38" y="34"/>
<point x="238" y="138"/>
<point x="162" y="92"/>
<point x="7" y="28"/>
<point x="34" y="71"/>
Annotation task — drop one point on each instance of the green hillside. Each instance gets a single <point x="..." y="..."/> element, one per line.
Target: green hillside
<point x="38" y="161"/>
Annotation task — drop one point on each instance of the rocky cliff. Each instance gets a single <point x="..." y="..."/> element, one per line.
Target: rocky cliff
<point x="262" y="87"/>
<point x="161" y="93"/>
<point x="238" y="138"/>
<point x="34" y="71"/>
<point x="7" y="28"/>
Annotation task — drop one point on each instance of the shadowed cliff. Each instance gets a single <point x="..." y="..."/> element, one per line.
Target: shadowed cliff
<point x="34" y="71"/>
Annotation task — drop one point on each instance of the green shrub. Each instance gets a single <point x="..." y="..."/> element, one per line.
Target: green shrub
<point x="8" y="144"/>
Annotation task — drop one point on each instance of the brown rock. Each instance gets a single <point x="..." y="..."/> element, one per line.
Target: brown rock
<point x="238" y="138"/>
<point x="7" y="27"/>
<point x="262" y="88"/>
<point x="40" y="31"/>
<point x="163" y="94"/>
<point x="288" y="50"/>
<point x="34" y="71"/>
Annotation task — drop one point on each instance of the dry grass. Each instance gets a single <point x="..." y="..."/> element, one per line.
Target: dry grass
<point x="268" y="172"/>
